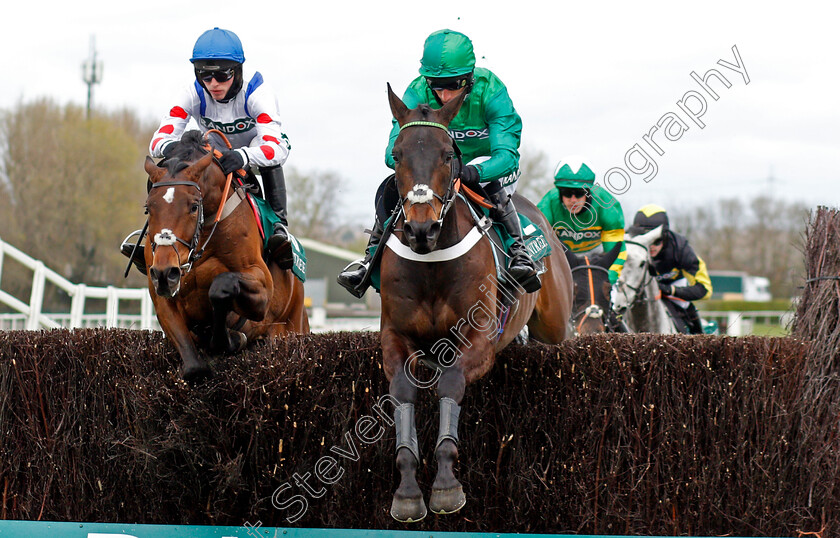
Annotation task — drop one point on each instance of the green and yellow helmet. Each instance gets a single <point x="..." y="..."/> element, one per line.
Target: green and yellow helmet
<point x="648" y="218"/>
<point x="447" y="54"/>
<point x="572" y="172"/>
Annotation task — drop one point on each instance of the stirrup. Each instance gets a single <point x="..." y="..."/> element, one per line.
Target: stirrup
<point x="137" y="249"/>
<point x="359" y="289"/>
<point x="529" y="282"/>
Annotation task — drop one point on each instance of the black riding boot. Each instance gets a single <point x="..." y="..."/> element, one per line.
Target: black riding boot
<point x="695" y="326"/>
<point x="279" y="248"/>
<point x="355" y="280"/>
<point x="521" y="266"/>
<point x="135" y="254"/>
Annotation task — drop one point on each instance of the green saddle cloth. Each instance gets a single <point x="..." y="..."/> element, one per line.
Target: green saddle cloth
<point x="269" y="218"/>
<point x="535" y="241"/>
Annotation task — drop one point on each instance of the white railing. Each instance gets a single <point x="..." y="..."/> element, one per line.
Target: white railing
<point x="742" y="323"/>
<point x="31" y="316"/>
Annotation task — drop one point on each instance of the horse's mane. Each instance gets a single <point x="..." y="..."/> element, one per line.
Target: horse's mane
<point x="190" y="147"/>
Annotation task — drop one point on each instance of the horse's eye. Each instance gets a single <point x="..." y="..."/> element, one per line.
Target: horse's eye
<point x="146" y="209"/>
<point x="395" y="157"/>
<point x="194" y="208"/>
<point x="449" y="157"/>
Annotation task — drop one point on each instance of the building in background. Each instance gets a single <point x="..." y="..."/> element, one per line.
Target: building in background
<point x="739" y="286"/>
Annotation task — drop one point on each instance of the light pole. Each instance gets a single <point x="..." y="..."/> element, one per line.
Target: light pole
<point x="91" y="73"/>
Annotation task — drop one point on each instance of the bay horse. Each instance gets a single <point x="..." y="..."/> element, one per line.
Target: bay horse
<point x="592" y="295"/>
<point x="637" y="298"/>
<point x="208" y="281"/>
<point x="442" y="303"/>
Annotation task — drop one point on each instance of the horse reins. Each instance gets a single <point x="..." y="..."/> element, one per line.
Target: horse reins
<point x="593" y="310"/>
<point x="195" y="254"/>
<point x="640" y="292"/>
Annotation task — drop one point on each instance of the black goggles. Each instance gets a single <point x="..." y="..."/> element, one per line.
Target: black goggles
<point x="452" y="83"/>
<point x="568" y="192"/>
<point x="221" y="75"/>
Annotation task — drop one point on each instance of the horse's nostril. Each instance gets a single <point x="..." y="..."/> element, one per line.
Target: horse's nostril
<point x="434" y="229"/>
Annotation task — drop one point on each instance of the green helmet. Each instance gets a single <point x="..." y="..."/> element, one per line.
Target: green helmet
<point x="447" y="53"/>
<point x="573" y="172"/>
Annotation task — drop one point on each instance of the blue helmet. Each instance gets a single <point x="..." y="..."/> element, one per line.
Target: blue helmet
<point x="218" y="44"/>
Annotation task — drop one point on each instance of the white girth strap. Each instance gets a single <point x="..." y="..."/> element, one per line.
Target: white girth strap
<point x="443" y="255"/>
<point x="232" y="203"/>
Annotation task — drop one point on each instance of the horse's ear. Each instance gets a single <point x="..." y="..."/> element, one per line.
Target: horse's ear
<point x="450" y="109"/>
<point x="398" y="108"/>
<point x="155" y="172"/>
<point x="607" y="258"/>
<point x="198" y="167"/>
<point x="648" y="238"/>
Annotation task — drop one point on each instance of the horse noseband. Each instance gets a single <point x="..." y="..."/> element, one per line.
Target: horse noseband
<point x="594" y="311"/>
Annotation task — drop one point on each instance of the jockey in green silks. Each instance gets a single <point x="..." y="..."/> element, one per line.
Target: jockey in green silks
<point x="585" y="216"/>
<point x="487" y="130"/>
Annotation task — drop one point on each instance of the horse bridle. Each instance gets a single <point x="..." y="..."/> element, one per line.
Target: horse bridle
<point x="193" y="244"/>
<point x="195" y="252"/>
<point x="448" y="199"/>
<point x="592" y="310"/>
<point x="640" y="292"/>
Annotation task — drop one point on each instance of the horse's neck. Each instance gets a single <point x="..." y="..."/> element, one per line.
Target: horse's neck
<point x="658" y="316"/>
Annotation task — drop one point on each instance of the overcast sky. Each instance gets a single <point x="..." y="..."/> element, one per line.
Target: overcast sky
<point x="587" y="78"/>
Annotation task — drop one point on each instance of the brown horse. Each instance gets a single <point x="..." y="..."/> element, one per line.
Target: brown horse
<point x="442" y="303"/>
<point x="208" y="281"/>
<point x="592" y="303"/>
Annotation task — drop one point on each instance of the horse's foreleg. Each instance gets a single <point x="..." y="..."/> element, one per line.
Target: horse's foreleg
<point x="241" y="292"/>
<point x="193" y="368"/>
<point x="447" y="492"/>
<point x="407" y="505"/>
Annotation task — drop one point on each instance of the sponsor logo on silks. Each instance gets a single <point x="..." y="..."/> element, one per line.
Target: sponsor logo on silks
<point x="480" y="134"/>
<point x="238" y="126"/>
<point x="510" y="179"/>
<point x="572" y="235"/>
<point x="673" y="274"/>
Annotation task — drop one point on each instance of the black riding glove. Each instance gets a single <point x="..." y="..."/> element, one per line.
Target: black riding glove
<point x="666" y="289"/>
<point x="232" y="161"/>
<point x="469" y="175"/>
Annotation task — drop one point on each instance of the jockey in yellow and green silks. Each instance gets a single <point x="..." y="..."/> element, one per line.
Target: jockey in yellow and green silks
<point x="585" y="217"/>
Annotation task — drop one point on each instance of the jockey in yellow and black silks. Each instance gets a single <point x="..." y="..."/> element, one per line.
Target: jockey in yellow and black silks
<point x="680" y="272"/>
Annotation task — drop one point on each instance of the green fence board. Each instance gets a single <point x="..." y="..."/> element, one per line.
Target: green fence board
<point x="32" y="529"/>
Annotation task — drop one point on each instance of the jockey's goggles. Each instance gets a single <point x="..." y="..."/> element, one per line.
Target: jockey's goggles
<point x="450" y="83"/>
<point x="221" y="75"/>
<point x="568" y="192"/>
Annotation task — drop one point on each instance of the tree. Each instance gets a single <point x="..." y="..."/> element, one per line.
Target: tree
<point x="72" y="188"/>
<point x="763" y="237"/>
<point x="313" y="204"/>
<point x="535" y="175"/>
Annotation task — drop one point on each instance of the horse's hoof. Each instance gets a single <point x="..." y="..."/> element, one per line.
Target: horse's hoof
<point x="196" y="373"/>
<point x="447" y="501"/>
<point x="238" y="341"/>
<point x="408" y="510"/>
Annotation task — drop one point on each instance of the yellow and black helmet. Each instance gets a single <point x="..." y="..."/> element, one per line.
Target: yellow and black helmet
<point x="647" y="218"/>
